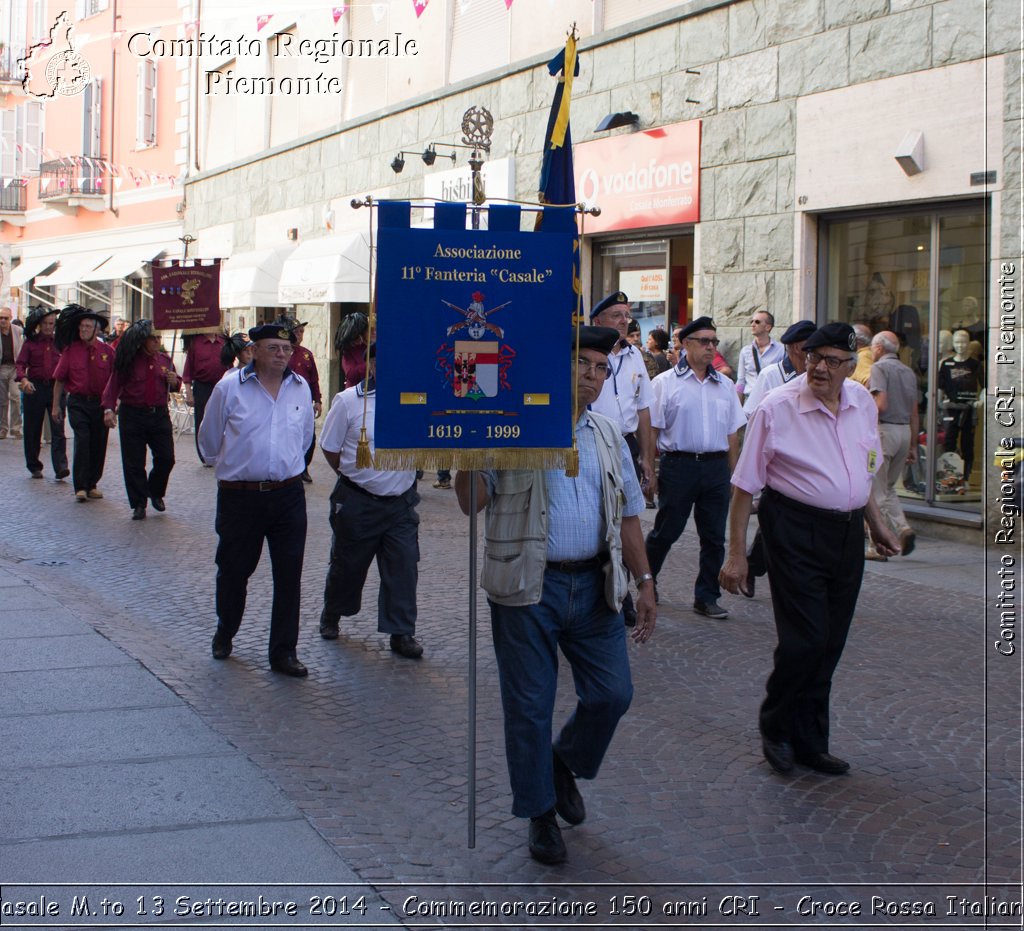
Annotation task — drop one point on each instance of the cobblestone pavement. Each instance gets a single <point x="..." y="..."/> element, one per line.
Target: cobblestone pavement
<point x="373" y="748"/>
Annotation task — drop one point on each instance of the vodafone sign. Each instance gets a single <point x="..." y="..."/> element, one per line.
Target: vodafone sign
<point x="642" y="179"/>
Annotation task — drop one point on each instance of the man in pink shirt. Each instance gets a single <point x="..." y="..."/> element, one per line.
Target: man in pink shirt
<point x="813" y="446"/>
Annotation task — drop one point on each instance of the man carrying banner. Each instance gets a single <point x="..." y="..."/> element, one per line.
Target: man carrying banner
<point x="554" y="575"/>
<point x="373" y="515"/>
<point x="137" y="392"/>
<point x="203" y="369"/>
<point x="258" y="424"/>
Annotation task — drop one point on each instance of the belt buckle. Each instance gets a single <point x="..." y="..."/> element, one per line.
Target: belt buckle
<point x="262" y="484"/>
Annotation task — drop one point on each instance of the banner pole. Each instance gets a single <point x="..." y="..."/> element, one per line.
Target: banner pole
<point x="471" y="813"/>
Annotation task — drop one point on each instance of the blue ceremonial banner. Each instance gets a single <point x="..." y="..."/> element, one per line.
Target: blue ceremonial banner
<point x="474" y="340"/>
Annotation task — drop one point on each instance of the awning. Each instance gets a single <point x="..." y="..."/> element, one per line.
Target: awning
<point x="125" y="263"/>
<point x="250" y="279"/>
<point x="334" y="268"/>
<point x="75" y="268"/>
<point x="28" y="269"/>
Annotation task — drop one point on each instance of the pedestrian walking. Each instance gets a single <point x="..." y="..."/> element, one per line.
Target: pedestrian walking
<point x="813" y="446"/>
<point x="34" y="370"/>
<point x="554" y="577"/>
<point x="257" y="426"/>
<point x="135" y="400"/>
<point x="83" y="370"/>
<point x="696" y="417"/>
<point x="203" y="369"/>
<point x="11" y="338"/>
<point x="894" y="388"/>
<point x="759" y="353"/>
<point x="373" y="516"/>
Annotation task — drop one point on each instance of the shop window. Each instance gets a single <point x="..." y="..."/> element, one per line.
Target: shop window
<point x="923" y="276"/>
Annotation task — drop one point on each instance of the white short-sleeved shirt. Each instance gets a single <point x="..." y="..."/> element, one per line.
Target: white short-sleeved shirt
<point x="627" y="392"/>
<point x="694" y="416"/>
<point x="340" y="434"/>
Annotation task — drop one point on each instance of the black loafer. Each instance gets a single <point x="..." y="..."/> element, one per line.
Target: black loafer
<point x="62" y="473"/>
<point x="406" y="645"/>
<point x="779" y="754"/>
<point x="823" y="763"/>
<point x="290" y="666"/>
<point x="546" y="844"/>
<point x="568" y="801"/>
<point x="328" y="631"/>
<point x="221" y="648"/>
<point x="158" y="504"/>
<point x="37" y="473"/>
<point x="139" y="513"/>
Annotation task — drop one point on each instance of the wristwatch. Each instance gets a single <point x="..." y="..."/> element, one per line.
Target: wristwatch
<point x="646" y="577"/>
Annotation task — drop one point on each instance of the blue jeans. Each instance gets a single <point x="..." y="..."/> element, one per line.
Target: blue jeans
<point x="703" y="487"/>
<point x="574" y="616"/>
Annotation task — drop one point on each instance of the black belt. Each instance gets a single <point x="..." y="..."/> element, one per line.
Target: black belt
<point x="823" y="513"/>
<point x="893" y="423"/>
<point x="579" y="565"/>
<point x="348" y="483"/>
<point x="143" y="409"/>
<point x="40" y="381"/>
<point x="259" y="486"/>
<point x="697" y="457"/>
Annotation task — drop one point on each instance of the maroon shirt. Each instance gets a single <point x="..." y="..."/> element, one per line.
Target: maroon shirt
<point x="144" y="386"/>
<point x="85" y="367"/>
<point x="37" y="359"/>
<point x="304" y="364"/>
<point x="202" y="361"/>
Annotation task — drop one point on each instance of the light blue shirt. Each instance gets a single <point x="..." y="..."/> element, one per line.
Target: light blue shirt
<point x="576" y="521"/>
<point x="251" y="436"/>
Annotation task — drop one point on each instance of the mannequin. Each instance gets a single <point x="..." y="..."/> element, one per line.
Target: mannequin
<point x="961" y="393"/>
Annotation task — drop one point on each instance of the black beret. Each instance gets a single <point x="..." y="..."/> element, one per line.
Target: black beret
<point x="701" y="323"/>
<point x="836" y="335"/>
<point x="634" y="326"/>
<point x="601" y="338"/>
<point x="797" y="332"/>
<point x="618" y="297"/>
<point x="271" y="331"/>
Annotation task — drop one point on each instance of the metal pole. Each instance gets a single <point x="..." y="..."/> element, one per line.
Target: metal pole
<point x="471" y="763"/>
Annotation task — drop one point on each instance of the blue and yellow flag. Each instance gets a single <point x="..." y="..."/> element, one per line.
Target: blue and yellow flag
<point x="557" y="182"/>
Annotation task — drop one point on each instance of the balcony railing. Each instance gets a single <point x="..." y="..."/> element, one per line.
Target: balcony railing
<point x="10" y="70"/>
<point x="60" y="180"/>
<point x="13" y="195"/>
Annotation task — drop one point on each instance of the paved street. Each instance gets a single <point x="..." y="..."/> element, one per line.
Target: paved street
<point x="358" y="775"/>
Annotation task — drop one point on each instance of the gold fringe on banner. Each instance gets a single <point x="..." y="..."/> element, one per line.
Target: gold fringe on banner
<point x="430" y="460"/>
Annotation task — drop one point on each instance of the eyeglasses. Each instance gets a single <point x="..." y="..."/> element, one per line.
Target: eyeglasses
<point x="601" y="368"/>
<point x="705" y="340"/>
<point x="832" y="362"/>
<point x="279" y="350"/>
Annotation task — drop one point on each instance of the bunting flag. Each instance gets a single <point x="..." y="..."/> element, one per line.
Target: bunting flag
<point x="508" y="4"/>
<point x="462" y="379"/>
<point x="337" y="12"/>
<point x="262" y="20"/>
<point x="419" y="6"/>
<point x="557" y="178"/>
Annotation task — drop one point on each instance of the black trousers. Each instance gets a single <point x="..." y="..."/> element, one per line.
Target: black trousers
<point x="365" y="528"/>
<point x="201" y="391"/>
<point x="36" y="408"/>
<point x="815" y="566"/>
<point x="958" y="424"/>
<point x="140" y="427"/>
<point x="244" y="520"/>
<point x="86" y="416"/>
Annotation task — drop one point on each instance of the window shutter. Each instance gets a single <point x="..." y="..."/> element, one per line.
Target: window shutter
<point x="32" y="137"/>
<point x="9" y="151"/>
<point x="145" y="107"/>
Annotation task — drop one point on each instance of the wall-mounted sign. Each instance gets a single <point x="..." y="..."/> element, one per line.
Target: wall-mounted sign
<point x="457" y="183"/>
<point x="644" y="284"/>
<point x="643" y="179"/>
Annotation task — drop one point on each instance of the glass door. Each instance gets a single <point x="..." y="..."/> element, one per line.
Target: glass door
<point x="921" y="274"/>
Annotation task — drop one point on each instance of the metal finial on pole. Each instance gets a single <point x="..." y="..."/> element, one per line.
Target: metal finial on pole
<point x="186" y="241"/>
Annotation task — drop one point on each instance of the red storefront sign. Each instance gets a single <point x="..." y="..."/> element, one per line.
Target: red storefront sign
<point x="649" y="178"/>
